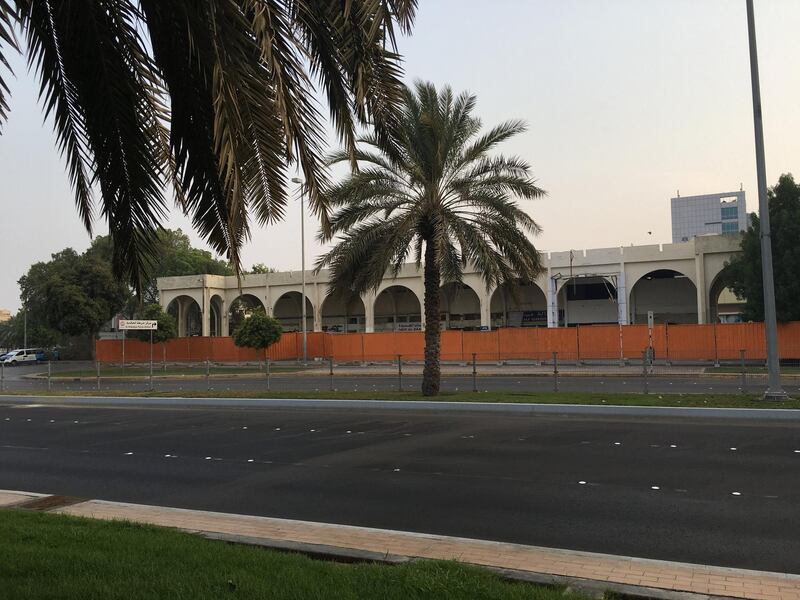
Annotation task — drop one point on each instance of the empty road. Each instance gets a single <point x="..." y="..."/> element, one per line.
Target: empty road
<point x="723" y="492"/>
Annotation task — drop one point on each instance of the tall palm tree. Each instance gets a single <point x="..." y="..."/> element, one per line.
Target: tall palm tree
<point x="214" y="98"/>
<point x="433" y="188"/>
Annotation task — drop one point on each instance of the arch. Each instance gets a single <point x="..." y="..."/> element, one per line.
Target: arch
<point x="397" y="308"/>
<point x="343" y="315"/>
<point x="460" y="307"/>
<point x="670" y="294"/>
<point x="242" y="307"/>
<point x="288" y="311"/>
<point x="723" y="305"/>
<point x="587" y="300"/>
<point x="216" y="317"/>
<point x="188" y="315"/>
<point x="518" y="304"/>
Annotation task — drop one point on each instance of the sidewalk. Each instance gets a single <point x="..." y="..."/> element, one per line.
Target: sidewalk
<point x="641" y="577"/>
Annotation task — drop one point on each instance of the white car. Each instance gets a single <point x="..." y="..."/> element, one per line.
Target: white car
<point x="24" y="356"/>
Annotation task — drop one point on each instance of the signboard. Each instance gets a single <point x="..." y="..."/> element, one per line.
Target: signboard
<point x="650" y="319"/>
<point x="128" y="324"/>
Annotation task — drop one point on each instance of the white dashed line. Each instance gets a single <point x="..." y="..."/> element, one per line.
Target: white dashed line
<point x="129" y="454"/>
<point x="672" y="446"/>
<point x="733" y="448"/>
<point x="277" y="429"/>
<point x="250" y="460"/>
<point x="736" y="493"/>
<point x="581" y="483"/>
<point x="245" y="427"/>
<point x="207" y="458"/>
<point x="655" y="487"/>
<point x="397" y="470"/>
<point x="348" y="432"/>
<point x="618" y="443"/>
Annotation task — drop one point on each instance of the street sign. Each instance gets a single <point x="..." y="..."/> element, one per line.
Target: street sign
<point x="128" y="324"/>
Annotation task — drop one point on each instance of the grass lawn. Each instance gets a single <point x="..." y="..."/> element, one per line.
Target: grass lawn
<point x="144" y="371"/>
<point x="593" y="398"/>
<point x="751" y="369"/>
<point x="53" y="556"/>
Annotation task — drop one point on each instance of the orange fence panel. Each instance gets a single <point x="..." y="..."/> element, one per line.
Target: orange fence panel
<point x="595" y="342"/>
<point x="691" y="342"/>
<point x="483" y="344"/>
<point x="518" y="344"/>
<point x="789" y="340"/>
<point x="452" y="346"/>
<point x="347" y="347"/>
<point x="563" y="340"/>
<point x="732" y="338"/>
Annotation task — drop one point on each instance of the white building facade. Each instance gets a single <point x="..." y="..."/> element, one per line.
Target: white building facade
<point x="680" y="283"/>
<point x="707" y="214"/>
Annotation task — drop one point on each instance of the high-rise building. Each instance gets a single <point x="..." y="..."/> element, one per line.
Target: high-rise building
<point x="5" y="315"/>
<point x="709" y="213"/>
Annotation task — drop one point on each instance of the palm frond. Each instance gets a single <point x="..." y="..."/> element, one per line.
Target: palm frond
<point x="8" y="18"/>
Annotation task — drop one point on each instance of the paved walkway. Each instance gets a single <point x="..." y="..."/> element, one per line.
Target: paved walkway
<point x="607" y="569"/>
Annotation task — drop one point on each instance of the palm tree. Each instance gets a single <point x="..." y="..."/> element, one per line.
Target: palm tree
<point x="432" y="189"/>
<point x="213" y="98"/>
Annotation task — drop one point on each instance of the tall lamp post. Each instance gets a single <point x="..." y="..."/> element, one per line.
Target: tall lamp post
<point x="300" y="182"/>
<point x="774" y="389"/>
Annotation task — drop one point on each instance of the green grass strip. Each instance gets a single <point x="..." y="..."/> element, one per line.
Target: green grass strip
<point x="48" y="556"/>
<point x="585" y="398"/>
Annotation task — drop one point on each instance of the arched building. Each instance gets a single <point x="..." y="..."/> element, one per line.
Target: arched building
<point x="680" y="283"/>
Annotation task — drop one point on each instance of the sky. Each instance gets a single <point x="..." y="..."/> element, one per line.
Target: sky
<point x="627" y="102"/>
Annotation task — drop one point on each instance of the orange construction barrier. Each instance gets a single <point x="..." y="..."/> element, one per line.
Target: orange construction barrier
<point x="713" y="342"/>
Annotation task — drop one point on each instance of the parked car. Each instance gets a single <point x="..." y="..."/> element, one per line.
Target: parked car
<point x="22" y="356"/>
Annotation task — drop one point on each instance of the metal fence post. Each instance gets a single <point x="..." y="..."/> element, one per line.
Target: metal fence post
<point x="2" y="377"/>
<point x="644" y="371"/>
<point x="164" y="357"/>
<point x="330" y="364"/>
<point x="474" y="373"/>
<point x="266" y="366"/>
<point x="744" y="371"/>
<point x="151" y="360"/>
<point x="208" y="374"/>
<point x="399" y="372"/>
<point x="49" y="374"/>
<point x="97" y="365"/>
<point x="555" y="371"/>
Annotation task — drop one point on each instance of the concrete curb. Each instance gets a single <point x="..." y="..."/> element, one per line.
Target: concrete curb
<point x="769" y="414"/>
<point x="589" y="587"/>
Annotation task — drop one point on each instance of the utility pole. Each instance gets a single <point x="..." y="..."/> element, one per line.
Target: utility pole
<point x="774" y="389"/>
<point x="303" y="267"/>
<point x="25" y="328"/>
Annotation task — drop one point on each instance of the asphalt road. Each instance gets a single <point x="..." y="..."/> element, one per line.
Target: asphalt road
<point x="697" y="490"/>
<point x="15" y="381"/>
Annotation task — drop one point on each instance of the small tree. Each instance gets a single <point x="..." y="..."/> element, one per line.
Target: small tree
<point x="257" y="331"/>
<point x="167" y="328"/>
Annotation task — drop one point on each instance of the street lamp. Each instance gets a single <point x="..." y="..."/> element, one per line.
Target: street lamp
<point x="301" y="183"/>
<point x="774" y="389"/>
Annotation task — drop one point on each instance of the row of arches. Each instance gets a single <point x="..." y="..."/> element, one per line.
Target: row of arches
<point x="671" y="295"/>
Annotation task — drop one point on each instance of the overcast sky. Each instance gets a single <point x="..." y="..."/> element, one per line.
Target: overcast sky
<point x="627" y="102"/>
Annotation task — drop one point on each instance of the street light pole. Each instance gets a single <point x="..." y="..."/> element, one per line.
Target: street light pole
<point x="303" y="267"/>
<point x="774" y="389"/>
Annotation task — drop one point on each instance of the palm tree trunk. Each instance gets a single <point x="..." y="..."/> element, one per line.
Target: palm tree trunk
<point x="431" y="374"/>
